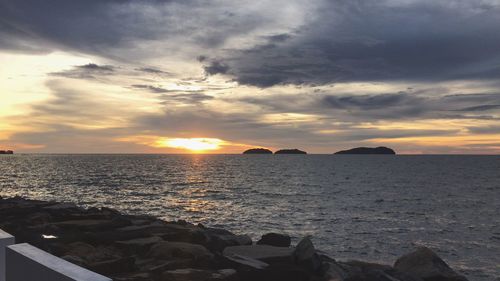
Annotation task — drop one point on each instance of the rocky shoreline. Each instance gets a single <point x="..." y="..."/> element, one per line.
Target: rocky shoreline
<point x="139" y="248"/>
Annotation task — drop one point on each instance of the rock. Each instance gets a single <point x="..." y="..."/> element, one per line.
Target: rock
<point x="367" y="150"/>
<point x="80" y="249"/>
<point x="169" y="265"/>
<point x="191" y="274"/>
<point x="138" y="245"/>
<point x="75" y="260"/>
<point x="305" y="249"/>
<point x="277" y="272"/>
<point x="275" y="239"/>
<point x="332" y="271"/>
<point x="119" y="265"/>
<point x="90" y="224"/>
<point x="424" y="263"/>
<point x="305" y="255"/>
<point x="169" y="250"/>
<point x="247" y="261"/>
<point x="134" y="277"/>
<point x="219" y="239"/>
<point x="290" y="151"/>
<point x="265" y="253"/>
<point x="258" y="151"/>
<point x="225" y="274"/>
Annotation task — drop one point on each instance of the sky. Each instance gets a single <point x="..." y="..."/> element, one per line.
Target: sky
<point x="222" y="76"/>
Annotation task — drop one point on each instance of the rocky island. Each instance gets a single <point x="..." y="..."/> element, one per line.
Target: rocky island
<point x="6" y="152"/>
<point x="367" y="150"/>
<point x="290" y="151"/>
<point x="144" y="248"/>
<point x="258" y="151"/>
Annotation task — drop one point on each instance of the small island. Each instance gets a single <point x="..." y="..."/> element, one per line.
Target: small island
<point x="258" y="151"/>
<point x="290" y="151"/>
<point x="6" y="152"/>
<point x="367" y="150"/>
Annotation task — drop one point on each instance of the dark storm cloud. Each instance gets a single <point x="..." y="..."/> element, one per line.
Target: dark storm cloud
<point x="91" y="25"/>
<point x="379" y="41"/>
<point x="123" y="30"/>
<point x="87" y="71"/>
<point x="215" y="67"/>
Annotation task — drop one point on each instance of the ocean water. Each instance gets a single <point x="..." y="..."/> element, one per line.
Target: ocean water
<point x="373" y="208"/>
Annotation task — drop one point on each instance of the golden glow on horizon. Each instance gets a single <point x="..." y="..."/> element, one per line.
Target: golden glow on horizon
<point x="193" y="144"/>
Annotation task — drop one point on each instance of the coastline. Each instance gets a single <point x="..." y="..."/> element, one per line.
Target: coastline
<point x="140" y="247"/>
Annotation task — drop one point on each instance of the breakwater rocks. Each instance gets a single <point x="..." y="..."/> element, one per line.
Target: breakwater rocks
<point x="140" y="248"/>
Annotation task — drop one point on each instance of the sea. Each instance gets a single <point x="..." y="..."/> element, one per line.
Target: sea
<point x="365" y="207"/>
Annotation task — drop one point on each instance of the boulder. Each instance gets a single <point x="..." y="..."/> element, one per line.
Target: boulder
<point x="169" y="250"/>
<point x="80" y="249"/>
<point x="425" y="264"/>
<point x="90" y="224"/>
<point x="305" y="255"/>
<point x="218" y="239"/>
<point x="332" y="271"/>
<point x="265" y="253"/>
<point x="304" y="250"/>
<point x="119" y="265"/>
<point x="275" y="239"/>
<point x="191" y="274"/>
<point x="138" y="245"/>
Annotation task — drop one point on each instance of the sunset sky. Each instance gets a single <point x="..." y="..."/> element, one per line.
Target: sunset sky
<point x="181" y="76"/>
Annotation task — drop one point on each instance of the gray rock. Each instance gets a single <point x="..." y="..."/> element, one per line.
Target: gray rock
<point x="304" y="250"/>
<point x="139" y="245"/>
<point x="191" y="274"/>
<point x="424" y="263"/>
<point x="275" y="239"/>
<point x="247" y="261"/>
<point x="119" y="265"/>
<point x="169" y="250"/>
<point x="305" y="255"/>
<point x="265" y="253"/>
<point x="334" y="272"/>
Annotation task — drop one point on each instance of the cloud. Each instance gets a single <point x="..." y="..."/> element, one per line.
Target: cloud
<point x="216" y="67"/>
<point x="378" y="41"/>
<point x="153" y="71"/>
<point x="384" y="106"/>
<point x="152" y="89"/>
<point x="87" y="71"/>
<point x="128" y="30"/>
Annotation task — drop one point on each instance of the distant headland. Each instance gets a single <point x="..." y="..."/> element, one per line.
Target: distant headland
<point x="290" y="151"/>
<point x="6" y="152"/>
<point x="258" y="151"/>
<point x="367" y="150"/>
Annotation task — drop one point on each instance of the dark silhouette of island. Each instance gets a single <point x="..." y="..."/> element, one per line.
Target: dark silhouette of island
<point x="6" y="152"/>
<point x="367" y="150"/>
<point x="290" y="151"/>
<point x="258" y="151"/>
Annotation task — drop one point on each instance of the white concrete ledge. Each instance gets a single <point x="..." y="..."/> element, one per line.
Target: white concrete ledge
<point x="5" y="240"/>
<point x="28" y="263"/>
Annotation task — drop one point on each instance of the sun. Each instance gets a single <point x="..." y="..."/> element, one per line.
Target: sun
<point x="193" y="144"/>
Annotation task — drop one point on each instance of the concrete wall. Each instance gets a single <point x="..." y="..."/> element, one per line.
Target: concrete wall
<point x="5" y="240"/>
<point x="28" y="263"/>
